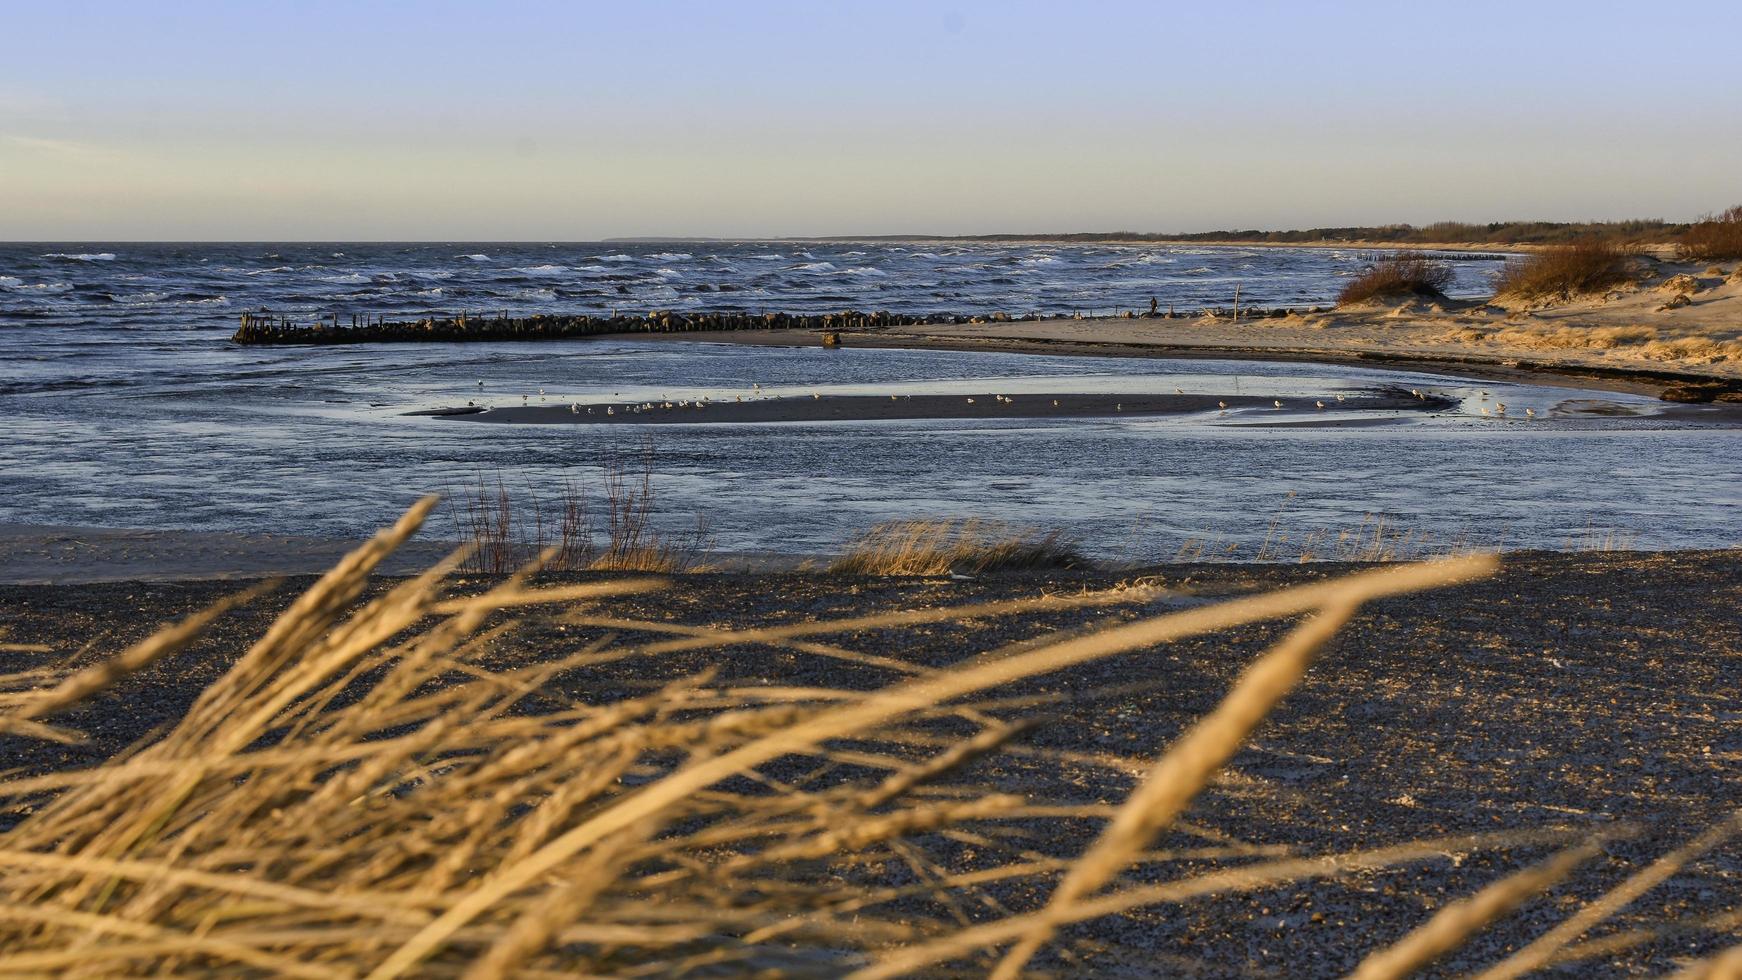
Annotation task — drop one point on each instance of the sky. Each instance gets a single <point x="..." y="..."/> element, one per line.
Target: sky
<point x="553" y="120"/>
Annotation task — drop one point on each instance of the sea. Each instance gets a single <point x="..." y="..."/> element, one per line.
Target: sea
<point x="123" y="403"/>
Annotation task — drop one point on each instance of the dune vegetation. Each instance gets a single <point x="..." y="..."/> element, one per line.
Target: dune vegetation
<point x="1402" y="275"/>
<point x="1566" y="271"/>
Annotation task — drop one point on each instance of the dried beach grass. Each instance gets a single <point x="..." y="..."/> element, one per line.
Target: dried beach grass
<point x="1565" y="271"/>
<point x="359" y="795"/>
<point x="505" y="528"/>
<point x="1398" y="276"/>
<point x="940" y="547"/>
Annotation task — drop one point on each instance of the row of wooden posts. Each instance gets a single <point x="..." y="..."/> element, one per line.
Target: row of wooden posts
<point x="266" y="328"/>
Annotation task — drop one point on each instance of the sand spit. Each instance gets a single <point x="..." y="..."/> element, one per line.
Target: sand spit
<point x="871" y="408"/>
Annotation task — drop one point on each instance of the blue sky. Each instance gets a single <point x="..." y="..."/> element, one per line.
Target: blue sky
<point x="554" y="120"/>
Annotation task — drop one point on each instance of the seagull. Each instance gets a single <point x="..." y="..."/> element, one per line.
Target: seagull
<point x="1119" y="407"/>
<point x="1055" y="403"/>
<point x="480" y="382"/>
<point x="1222" y="405"/>
<point x="1500" y="407"/>
<point x="1484" y="410"/>
<point x="970" y="401"/>
<point x="1179" y="391"/>
<point x="816" y="394"/>
<point x="893" y="398"/>
<point x="1339" y="398"/>
<point x="1531" y="412"/>
<point x="1319" y="404"/>
<point x="610" y="411"/>
<point x="575" y="408"/>
<point x="1277" y="403"/>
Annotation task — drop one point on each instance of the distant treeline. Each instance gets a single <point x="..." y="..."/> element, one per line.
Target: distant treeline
<point x="1640" y="231"/>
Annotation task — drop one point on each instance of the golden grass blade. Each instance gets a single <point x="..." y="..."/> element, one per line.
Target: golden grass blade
<point x="1455" y="923"/>
<point x="919" y="694"/>
<point x="1184" y="771"/>
<point x="1539" y="952"/>
<point x="1724" y="966"/>
<point x="1249" y="878"/>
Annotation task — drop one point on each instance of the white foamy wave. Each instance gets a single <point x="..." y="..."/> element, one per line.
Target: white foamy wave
<point x="543" y="270"/>
<point x="926" y="255"/>
<point x="262" y="272"/>
<point x="619" y="257"/>
<point x="48" y="287"/>
<point x="669" y="256"/>
<point x="1041" y="260"/>
<point x="6" y="282"/>
<point x="432" y="291"/>
<point x="816" y="266"/>
<point x="770" y="257"/>
<point x="592" y="268"/>
<point x="1154" y="260"/>
<point x="346" y="277"/>
<point x="83" y="256"/>
<point x="863" y="270"/>
<point x="535" y="293"/>
<point x="668" y="273"/>
<point x="142" y="299"/>
<point x="475" y="257"/>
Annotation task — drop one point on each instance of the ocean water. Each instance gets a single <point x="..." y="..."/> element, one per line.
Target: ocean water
<point x="123" y="404"/>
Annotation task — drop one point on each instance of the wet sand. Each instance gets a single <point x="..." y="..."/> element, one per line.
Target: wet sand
<point x="991" y="405"/>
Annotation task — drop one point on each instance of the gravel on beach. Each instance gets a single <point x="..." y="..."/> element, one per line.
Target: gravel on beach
<point x="1580" y="691"/>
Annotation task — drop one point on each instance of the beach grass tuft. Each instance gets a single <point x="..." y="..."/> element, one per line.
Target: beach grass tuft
<point x="942" y="547"/>
<point x="505" y="528"/>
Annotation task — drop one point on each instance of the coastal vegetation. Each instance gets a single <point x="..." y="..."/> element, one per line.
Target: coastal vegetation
<point x="942" y="547"/>
<point x="1402" y="275"/>
<point x="505" y="528"/>
<point x="379" y="786"/>
<point x="1641" y="231"/>
<point x="1714" y="238"/>
<point x="1566" y="271"/>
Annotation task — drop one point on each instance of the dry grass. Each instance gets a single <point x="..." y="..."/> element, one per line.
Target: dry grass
<point x="359" y="795"/>
<point x="1565" y="271"/>
<point x="505" y="529"/>
<point x="1400" y="276"/>
<point x="966" y="547"/>
<point x="1714" y="238"/>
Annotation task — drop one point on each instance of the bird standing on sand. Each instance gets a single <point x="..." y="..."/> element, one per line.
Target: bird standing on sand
<point x="1530" y="413"/>
<point x="1277" y="403"/>
<point x="1320" y="404"/>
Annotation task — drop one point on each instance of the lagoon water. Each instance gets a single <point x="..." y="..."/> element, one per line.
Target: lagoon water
<point x="124" y="405"/>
